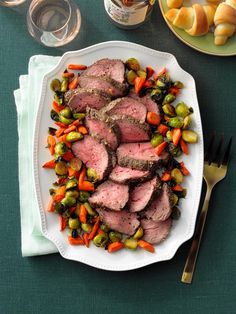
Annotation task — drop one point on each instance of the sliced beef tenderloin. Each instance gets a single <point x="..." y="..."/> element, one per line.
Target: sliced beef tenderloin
<point x="124" y="175"/>
<point x="147" y="102"/>
<point x="132" y="130"/>
<point x="155" y="231"/>
<point x="126" y="106"/>
<point x="79" y="99"/>
<point x="110" y="195"/>
<point x="142" y="194"/>
<point x="140" y="156"/>
<point x="102" y="128"/>
<point x="103" y="83"/>
<point x="161" y="207"/>
<point x="113" y="68"/>
<point x="94" y="155"/>
<point x="121" y="221"/>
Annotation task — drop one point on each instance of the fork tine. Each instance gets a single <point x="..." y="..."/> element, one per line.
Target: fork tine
<point x="218" y="157"/>
<point x="208" y="155"/>
<point x="227" y="152"/>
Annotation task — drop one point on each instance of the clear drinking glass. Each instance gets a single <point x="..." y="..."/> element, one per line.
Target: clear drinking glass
<point x="11" y="3"/>
<point x="53" y="23"/>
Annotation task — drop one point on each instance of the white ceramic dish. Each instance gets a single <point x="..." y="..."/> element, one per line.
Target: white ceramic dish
<point x="182" y="229"/>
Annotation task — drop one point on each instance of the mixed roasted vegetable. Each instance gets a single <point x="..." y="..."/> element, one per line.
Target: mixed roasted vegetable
<point x="171" y="130"/>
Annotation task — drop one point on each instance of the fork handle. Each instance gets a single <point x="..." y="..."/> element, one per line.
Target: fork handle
<point x="193" y="252"/>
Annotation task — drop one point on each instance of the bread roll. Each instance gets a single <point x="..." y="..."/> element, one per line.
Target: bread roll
<point x="174" y="4"/>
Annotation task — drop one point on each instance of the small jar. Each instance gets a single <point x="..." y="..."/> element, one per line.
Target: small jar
<point x="128" y="14"/>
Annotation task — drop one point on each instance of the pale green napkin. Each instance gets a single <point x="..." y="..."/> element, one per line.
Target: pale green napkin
<point x="27" y="99"/>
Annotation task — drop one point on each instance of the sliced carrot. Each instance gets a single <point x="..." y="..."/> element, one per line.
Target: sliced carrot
<point x="146" y="246"/>
<point x="75" y="241"/>
<point x="176" y="136"/>
<point x="60" y="124"/>
<point x="59" y="132"/>
<point x="153" y="118"/>
<point x="162" y="72"/>
<point x="184" y="146"/>
<point x="174" y="90"/>
<point x="82" y="176"/>
<point x="60" y="193"/>
<point x="162" y="129"/>
<point x="51" y="206"/>
<point x="71" y="172"/>
<point x="50" y="164"/>
<point x="74" y="83"/>
<point x="63" y="139"/>
<point x="148" y="83"/>
<point x="183" y="169"/>
<point x="138" y="84"/>
<point x="166" y="177"/>
<point x="62" y="222"/>
<point x="177" y="188"/>
<point x="82" y="129"/>
<point x="100" y="231"/>
<point x="51" y="144"/>
<point x="115" y="246"/>
<point x="68" y="75"/>
<point x="57" y="107"/>
<point x="83" y="214"/>
<point x="77" y="67"/>
<point x="86" y="186"/>
<point x="76" y="122"/>
<point x="149" y="71"/>
<point x="68" y="155"/>
<point x="95" y="229"/>
<point x="86" y="239"/>
<point x="160" y="148"/>
<point x="70" y="129"/>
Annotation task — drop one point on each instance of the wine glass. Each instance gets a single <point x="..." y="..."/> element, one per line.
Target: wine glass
<point x="53" y="23"/>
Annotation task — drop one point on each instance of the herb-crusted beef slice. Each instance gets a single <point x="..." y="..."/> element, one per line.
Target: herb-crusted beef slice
<point x="102" y="128"/>
<point x="80" y="98"/>
<point x="110" y="195"/>
<point x="139" y="156"/>
<point x="113" y="68"/>
<point x="147" y="102"/>
<point x="142" y="194"/>
<point x="126" y="106"/>
<point x="121" y="221"/>
<point x="161" y="207"/>
<point x="155" y="231"/>
<point x="94" y="155"/>
<point x="124" y="175"/>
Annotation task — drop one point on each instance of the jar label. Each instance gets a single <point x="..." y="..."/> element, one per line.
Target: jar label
<point x="125" y="16"/>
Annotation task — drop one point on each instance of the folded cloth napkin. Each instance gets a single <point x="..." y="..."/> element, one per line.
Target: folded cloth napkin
<point x="27" y="99"/>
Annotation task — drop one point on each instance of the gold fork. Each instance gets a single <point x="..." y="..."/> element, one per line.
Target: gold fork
<point x="215" y="169"/>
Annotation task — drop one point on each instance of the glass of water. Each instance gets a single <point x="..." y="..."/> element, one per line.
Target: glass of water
<point x="53" y="23"/>
<point x="11" y="3"/>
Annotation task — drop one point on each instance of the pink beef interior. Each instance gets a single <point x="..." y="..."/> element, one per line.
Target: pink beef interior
<point x="158" y="232"/>
<point x="131" y="132"/>
<point x="92" y="154"/>
<point x="146" y="101"/>
<point x="79" y="102"/>
<point x="130" y="107"/>
<point x="140" y="151"/>
<point x="124" y="173"/>
<point x="110" y="195"/>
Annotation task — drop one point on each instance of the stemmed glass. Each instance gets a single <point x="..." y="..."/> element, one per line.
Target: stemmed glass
<point x="53" y="23"/>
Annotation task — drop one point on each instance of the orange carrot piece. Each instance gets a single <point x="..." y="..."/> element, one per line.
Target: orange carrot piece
<point x="115" y="246"/>
<point x="100" y="231"/>
<point x="159" y="149"/>
<point x="71" y="172"/>
<point x="60" y="124"/>
<point x="75" y="241"/>
<point x="62" y="222"/>
<point x="82" y="129"/>
<point x="68" y="155"/>
<point x="68" y="75"/>
<point x="51" y="144"/>
<point x="63" y="139"/>
<point x="162" y="71"/>
<point x="177" y="188"/>
<point x="86" y="186"/>
<point x="146" y="246"/>
<point x="86" y="239"/>
<point x="176" y="136"/>
<point x="76" y="122"/>
<point x="82" y="176"/>
<point x="148" y="83"/>
<point x="70" y="129"/>
<point x="184" y="146"/>
<point x="162" y="129"/>
<point x="49" y="164"/>
<point x="74" y="83"/>
<point x="138" y="84"/>
<point x="95" y="229"/>
<point x="51" y="207"/>
<point x="166" y="177"/>
<point x="149" y="71"/>
<point x="60" y="192"/>
<point x="83" y="214"/>
<point x="183" y="169"/>
<point x="78" y="67"/>
<point x="174" y="90"/>
<point x="153" y="118"/>
<point x="57" y="107"/>
<point x="59" y="132"/>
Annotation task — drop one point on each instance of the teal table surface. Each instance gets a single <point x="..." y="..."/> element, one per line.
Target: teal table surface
<point x="51" y="284"/>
